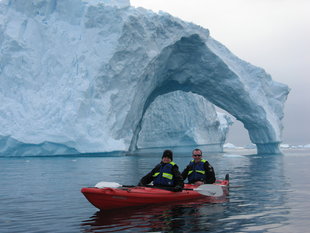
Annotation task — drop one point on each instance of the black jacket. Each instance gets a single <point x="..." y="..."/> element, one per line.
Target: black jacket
<point x="209" y="175"/>
<point x="178" y="180"/>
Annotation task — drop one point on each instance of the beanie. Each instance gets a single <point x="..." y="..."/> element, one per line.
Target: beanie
<point x="168" y="154"/>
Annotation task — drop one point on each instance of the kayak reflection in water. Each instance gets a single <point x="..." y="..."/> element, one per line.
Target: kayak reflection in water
<point x="199" y="171"/>
<point x="195" y="216"/>
<point x="165" y="174"/>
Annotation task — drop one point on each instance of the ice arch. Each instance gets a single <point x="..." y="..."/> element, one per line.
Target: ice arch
<point x="194" y="65"/>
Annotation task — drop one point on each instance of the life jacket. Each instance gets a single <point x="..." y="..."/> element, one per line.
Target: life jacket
<point x="164" y="175"/>
<point x="197" y="171"/>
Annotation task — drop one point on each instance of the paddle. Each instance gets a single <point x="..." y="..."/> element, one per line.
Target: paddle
<point x="205" y="189"/>
<point x="209" y="190"/>
<point x="104" y="184"/>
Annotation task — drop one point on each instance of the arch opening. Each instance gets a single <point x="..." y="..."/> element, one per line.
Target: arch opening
<point x="187" y="120"/>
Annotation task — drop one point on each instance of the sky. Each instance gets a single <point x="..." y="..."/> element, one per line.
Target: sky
<point x="272" y="34"/>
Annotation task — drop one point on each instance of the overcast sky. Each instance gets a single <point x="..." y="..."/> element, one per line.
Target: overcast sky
<point x="272" y="34"/>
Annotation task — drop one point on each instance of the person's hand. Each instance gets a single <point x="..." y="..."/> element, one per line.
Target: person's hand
<point x="199" y="183"/>
<point x="177" y="188"/>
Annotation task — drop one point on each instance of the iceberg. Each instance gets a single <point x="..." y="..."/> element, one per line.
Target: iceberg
<point x="285" y="146"/>
<point x="229" y="146"/>
<point x="80" y="76"/>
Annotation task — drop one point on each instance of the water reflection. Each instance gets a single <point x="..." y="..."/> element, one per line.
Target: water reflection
<point x="190" y="217"/>
<point x="260" y="204"/>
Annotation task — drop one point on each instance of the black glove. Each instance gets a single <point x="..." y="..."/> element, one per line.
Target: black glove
<point x="140" y="184"/>
<point x="177" y="188"/>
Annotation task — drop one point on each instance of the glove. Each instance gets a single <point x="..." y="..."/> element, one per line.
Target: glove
<point x="177" y="188"/>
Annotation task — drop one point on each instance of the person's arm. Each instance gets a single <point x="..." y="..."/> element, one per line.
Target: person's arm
<point x="148" y="178"/>
<point x="209" y="175"/>
<point x="178" y="179"/>
<point x="185" y="172"/>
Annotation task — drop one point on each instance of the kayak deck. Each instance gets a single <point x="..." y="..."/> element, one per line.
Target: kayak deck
<point x="112" y="198"/>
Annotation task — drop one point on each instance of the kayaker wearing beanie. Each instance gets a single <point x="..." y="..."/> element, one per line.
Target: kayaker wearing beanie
<point x="199" y="171"/>
<point x="166" y="174"/>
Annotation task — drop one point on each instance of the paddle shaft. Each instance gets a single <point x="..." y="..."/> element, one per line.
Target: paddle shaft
<point x="205" y="189"/>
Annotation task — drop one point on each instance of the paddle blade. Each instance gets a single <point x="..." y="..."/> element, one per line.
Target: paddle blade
<point x="210" y="190"/>
<point x="104" y="184"/>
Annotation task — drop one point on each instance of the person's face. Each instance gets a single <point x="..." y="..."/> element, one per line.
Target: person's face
<point x="197" y="156"/>
<point x="166" y="160"/>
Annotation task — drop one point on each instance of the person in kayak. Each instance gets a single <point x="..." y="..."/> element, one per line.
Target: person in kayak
<point x="199" y="171"/>
<point x="165" y="174"/>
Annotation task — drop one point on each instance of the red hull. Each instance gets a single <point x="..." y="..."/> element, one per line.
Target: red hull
<point x="111" y="198"/>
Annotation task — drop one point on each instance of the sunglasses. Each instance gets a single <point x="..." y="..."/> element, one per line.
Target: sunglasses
<point x="197" y="155"/>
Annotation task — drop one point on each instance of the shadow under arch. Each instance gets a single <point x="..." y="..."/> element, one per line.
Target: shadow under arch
<point x="190" y="65"/>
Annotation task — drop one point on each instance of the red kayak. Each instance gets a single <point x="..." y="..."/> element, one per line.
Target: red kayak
<point x="112" y="198"/>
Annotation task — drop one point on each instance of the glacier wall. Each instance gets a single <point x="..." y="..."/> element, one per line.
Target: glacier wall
<point x="83" y="75"/>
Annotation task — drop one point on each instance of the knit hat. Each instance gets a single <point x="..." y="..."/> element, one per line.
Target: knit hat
<point x="168" y="154"/>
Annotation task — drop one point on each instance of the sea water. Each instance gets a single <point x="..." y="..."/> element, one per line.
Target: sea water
<point x="269" y="193"/>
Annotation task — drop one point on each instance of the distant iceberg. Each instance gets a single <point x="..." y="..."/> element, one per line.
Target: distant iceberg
<point x="285" y="146"/>
<point x="288" y="146"/>
<point x="81" y="76"/>
<point x="229" y="145"/>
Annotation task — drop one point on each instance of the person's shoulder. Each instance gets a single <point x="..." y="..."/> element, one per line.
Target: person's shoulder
<point x="208" y="165"/>
<point x="173" y="163"/>
<point x="206" y="162"/>
<point x="157" y="166"/>
<point x="191" y="163"/>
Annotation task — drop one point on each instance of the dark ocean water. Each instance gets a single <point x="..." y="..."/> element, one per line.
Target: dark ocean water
<point x="42" y="194"/>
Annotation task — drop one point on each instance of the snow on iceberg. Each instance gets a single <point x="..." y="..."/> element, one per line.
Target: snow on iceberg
<point x="82" y="75"/>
